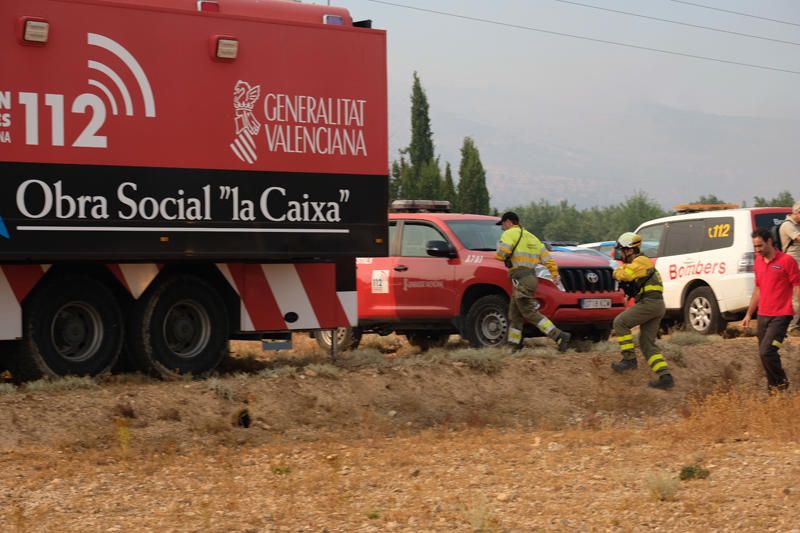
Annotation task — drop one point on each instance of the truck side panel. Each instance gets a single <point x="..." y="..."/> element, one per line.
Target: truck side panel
<point x="108" y="130"/>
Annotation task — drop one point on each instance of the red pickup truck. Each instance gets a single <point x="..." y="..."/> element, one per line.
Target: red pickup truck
<point x="441" y="277"/>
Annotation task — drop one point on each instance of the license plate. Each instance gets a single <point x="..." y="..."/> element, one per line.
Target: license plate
<point x="595" y="303"/>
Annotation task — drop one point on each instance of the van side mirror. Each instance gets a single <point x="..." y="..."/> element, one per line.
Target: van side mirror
<point x="440" y="249"/>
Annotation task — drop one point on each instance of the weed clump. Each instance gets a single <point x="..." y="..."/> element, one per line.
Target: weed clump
<point x="7" y="388"/>
<point x="324" y="371"/>
<point x="693" y="472"/>
<point x="278" y="372"/>
<point x="222" y="390"/>
<point x="662" y="487"/>
<point x="691" y="338"/>
<point x="489" y="361"/>
<point x="62" y="384"/>
<point x="363" y="358"/>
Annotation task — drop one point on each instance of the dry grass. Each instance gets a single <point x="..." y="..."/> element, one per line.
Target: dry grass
<point x="7" y="388"/>
<point x="691" y="338"/>
<point x="62" y="384"/>
<point x="324" y="370"/>
<point x="488" y="360"/>
<point x="736" y="413"/>
<point x="222" y="389"/>
<point x="661" y="487"/>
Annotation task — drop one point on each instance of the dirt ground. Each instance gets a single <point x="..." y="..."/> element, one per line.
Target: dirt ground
<point x="390" y="439"/>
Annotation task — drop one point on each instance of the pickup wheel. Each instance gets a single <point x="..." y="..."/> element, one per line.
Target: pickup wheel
<point x="73" y="325"/>
<point x="487" y="321"/>
<point x="346" y="339"/>
<point x="701" y="312"/>
<point x="425" y="340"/>
<point x="181" y="328"/>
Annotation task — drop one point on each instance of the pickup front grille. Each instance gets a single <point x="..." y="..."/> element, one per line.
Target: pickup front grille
<point x="587" y="279"/>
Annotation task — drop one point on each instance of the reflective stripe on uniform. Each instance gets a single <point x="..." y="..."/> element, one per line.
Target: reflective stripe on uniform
<point x="776" y="343"/>
<point x="514" y="335"/>
<point x="626" y="342"/>
<point x="545" y="326"/>
<point x="649" y="288"/>
<point x="656" y="362"/>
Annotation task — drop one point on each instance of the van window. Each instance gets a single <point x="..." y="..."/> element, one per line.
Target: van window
<point x="718" y="233"/>
<point x="651" y="239"/>
<point x="684" y="237"/>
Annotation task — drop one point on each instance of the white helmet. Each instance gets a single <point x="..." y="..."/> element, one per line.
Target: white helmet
<point x="629" y="240"/>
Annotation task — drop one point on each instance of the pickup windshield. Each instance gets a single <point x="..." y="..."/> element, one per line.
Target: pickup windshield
<point x="479" y="235"/>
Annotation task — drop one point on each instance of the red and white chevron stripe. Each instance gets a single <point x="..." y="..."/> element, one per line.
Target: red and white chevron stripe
<point x="269" y="294"/>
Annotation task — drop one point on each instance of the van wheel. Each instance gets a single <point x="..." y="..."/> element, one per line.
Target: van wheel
<point x="425" y="340"/>
<point x="180" y="328"/>
<point x="73" y="326"/>
<point x="486" y="324"/>
<point x="346" y="339"/>
<point x="701" y="312"/>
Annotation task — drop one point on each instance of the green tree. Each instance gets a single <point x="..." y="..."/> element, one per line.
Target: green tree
<point x="429" y="183"/>
<point x="420" y="150"/>
<point x="564" y="222"/>
<point x="710" y="199"/>
<point x="449" y="192"/>
<point x="419" y="176"/>
<point x="784" y="199"/>
<point x="473" y="196"/>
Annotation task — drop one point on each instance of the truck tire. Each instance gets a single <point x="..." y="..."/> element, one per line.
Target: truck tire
<point x="425" y="340"/>
<point x="72" y="326"/>
<point x="346" y="339"/>
<point x="180" y="328"/>
<point x="486" y="323"/>
<point x="701" y="312"/>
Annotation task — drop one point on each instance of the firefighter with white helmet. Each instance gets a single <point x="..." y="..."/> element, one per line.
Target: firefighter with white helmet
<point x="641" y="281"/>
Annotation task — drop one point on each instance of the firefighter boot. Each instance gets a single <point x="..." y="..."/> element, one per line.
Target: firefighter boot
<point x="516" y="346"/>
<point x="563" y="340"/>
<point x="663" y="381"/>
<point x="624" y="365"/>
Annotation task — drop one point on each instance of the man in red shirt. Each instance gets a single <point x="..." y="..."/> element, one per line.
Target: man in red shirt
<point x="777" y="279"/>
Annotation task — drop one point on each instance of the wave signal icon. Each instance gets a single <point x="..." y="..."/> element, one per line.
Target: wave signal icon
<point x="135" y="68"/>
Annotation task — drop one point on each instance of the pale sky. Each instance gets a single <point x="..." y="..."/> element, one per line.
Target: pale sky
<point x="563" y="118"/>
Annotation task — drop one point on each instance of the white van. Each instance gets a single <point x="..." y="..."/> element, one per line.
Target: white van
<point x="706" y="260"/>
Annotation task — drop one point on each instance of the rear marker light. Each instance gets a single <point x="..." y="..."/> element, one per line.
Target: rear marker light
<point x="227" y="48"/>
<point x="35" y="31"/>
<point x="335" y="20"/>
<point x="208" y="5"/>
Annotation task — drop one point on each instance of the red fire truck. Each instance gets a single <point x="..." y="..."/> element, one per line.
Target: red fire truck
<point x="178" y="173"/>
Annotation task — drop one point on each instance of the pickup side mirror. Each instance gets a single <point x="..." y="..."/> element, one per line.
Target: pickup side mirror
<point x="440" y="249"/>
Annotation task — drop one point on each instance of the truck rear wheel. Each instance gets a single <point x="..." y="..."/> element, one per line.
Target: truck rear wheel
<point x="486" y="324"/>
<point x="180" y="328"/>
<point x="701" y="312"/>
<point x="346" y="339"/>
<point x="72" y="326"/>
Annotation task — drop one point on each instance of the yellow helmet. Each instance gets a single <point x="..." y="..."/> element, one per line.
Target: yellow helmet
<point x="629" y="240"/>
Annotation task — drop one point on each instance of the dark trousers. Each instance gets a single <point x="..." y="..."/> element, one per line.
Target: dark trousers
<point x="771" y="332"/>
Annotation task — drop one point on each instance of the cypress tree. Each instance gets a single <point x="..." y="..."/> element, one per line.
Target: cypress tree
<point x="449" y="192"/>
<point x="473" y="196"/>
<point x="420" y="151"/>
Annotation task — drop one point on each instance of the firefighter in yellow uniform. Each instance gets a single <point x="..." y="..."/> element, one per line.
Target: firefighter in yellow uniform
<point x="641" y="281"/>
<point x="521" y="251"/>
